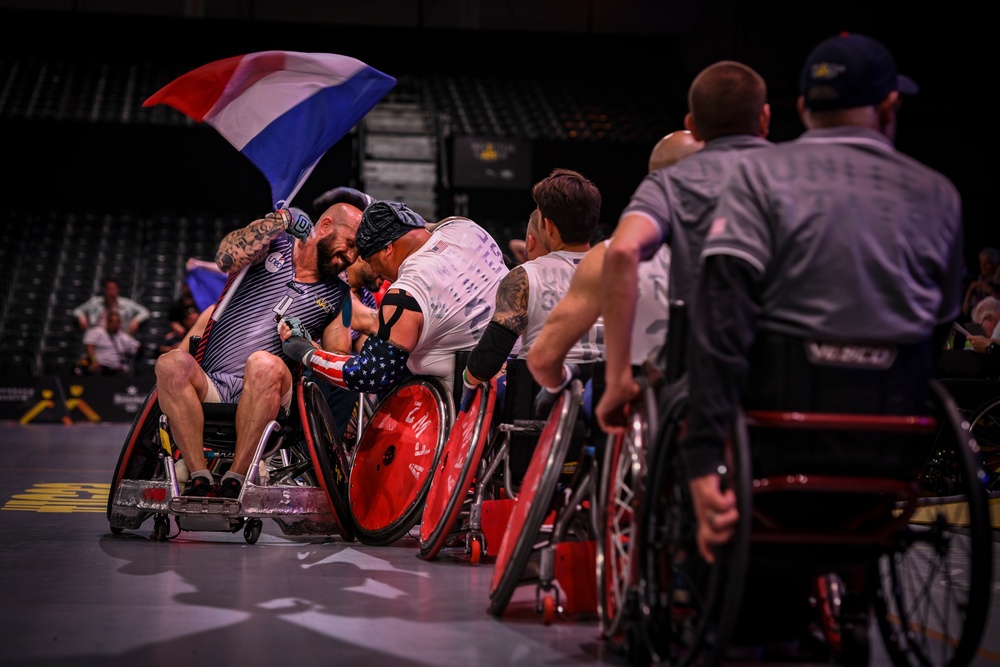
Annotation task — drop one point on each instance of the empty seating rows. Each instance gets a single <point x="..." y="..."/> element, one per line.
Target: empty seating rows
<point x="52" y="262"/>
<point x="585" y="109"/>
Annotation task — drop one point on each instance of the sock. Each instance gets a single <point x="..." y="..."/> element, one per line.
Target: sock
<point x="232" y="475"/>
<point x="202" y="473"/>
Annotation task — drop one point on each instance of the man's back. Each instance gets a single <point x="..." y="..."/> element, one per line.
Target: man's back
<point x="862" y="236"/>
<point x="680" y="199"/>
<point x="454" y="279"/>
<point x="549" y="278"/>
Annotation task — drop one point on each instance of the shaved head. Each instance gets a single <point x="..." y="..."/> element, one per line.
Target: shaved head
<point x="673" y="148"/>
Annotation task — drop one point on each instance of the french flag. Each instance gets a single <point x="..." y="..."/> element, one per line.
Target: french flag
<point x="282" y="109"/>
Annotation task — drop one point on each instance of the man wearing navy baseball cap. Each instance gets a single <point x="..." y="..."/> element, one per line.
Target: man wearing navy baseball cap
<point x="834" y="241"/>
<point x="851" y="71"/>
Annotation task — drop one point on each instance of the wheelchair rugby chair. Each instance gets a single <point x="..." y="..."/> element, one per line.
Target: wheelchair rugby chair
<point x="874" y="537"/>
<point x="298" y="476"/>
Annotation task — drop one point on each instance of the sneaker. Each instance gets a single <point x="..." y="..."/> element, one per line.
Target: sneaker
<point x="200" y="487"/>
<point x="230" y="488"/>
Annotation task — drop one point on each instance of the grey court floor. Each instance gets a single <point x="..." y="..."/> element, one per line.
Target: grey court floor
<point x="72" y="593"/>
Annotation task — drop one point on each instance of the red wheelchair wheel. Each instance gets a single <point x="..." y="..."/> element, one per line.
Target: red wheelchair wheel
<point x="396" y="458"/>
<point x="534" y="502"/>
<point x="454" y="476"/>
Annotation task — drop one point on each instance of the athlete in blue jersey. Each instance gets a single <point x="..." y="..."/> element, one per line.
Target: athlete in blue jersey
<point x="279" y="266"/>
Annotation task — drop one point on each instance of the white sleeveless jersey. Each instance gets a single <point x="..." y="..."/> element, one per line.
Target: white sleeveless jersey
<point x="649" y="328"/>
<point x="549" y="277"/>
<point x="454" y="279"/>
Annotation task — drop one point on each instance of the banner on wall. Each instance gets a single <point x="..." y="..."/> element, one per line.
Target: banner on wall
<point x="71" y="399"/>
<point x="491" y="162"/>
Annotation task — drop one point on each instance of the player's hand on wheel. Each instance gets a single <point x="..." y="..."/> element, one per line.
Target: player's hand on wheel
<point x="468" y="392"/>
<point x="546" y="396"/>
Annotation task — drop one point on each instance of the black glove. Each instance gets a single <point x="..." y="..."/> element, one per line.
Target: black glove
<point x="547" y="396"/>
<point x="300" y="226"/>
<point x="468" y="393"/>
<point x="343" y="194"/>
<point x="299" y="346"/>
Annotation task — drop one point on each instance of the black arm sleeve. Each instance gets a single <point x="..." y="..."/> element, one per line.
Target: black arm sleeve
<point x="723" y="324"/>
<point x="491" y="351"/>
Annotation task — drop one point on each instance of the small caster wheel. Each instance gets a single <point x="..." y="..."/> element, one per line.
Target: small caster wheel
<point x="476" y="548"/>
<point x="160" y="528"/>
<point x="548" y="609"/>
<point x="251" y="531"/>
<point x="116" y="530"/>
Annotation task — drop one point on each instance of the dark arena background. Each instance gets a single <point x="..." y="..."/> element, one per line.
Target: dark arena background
<point x="584" y="84"/>
<point x="491" y="96"/>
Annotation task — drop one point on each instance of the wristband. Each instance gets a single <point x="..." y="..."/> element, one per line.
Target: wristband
<point x="285" y="216"/>
<point x="567" y="376"/>
<point x="465" y="380"/>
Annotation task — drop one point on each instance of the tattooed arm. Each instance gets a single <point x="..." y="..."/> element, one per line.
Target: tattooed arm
<point x="512" y="301"/>
<point x="510" y="319"/>
<point x="242" y="247"/>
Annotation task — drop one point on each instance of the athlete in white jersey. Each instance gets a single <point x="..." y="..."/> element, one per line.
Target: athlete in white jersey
<point x="579" y="310"/>
<point x="568" y="209"/>
<point x="548" y="281"/>
<point x="444" y="286"/>
<point x="272" y="275"/>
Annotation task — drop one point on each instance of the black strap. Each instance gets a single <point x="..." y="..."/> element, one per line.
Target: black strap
<point x="403" y="301"/>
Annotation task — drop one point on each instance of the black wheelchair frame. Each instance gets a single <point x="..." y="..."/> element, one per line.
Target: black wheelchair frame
<point x="899" y="540"/>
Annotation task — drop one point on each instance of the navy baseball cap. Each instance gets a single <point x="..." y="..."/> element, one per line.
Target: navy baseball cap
<point x="850" y="70"/>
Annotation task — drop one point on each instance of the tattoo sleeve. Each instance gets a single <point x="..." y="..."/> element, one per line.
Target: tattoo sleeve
<point x="512" y="301"/>
<point x="245" y="246"/>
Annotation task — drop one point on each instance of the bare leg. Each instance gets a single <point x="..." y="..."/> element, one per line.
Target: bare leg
<point x="265" y="381"/>
<point x="181" y="386"/>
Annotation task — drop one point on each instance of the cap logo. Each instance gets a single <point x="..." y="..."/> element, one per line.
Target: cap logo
<point x="826" y="70"/>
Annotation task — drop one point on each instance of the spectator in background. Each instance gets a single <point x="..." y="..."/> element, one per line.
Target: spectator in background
<point x="109" y="350"/>
<point x="180" y="310"/>
<point x="94" y="310"/>
<point x="176" y="335"/>
<point x="985" y="284"/>
<point x="986" y="314"/>
<point x="974" y="352"/>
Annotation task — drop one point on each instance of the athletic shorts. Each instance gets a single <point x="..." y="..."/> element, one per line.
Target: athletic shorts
<point x="227" y="388"/>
